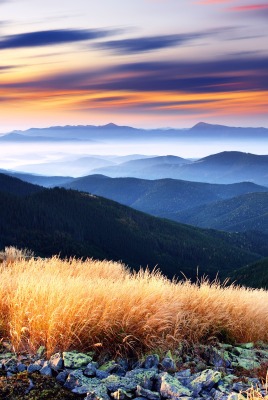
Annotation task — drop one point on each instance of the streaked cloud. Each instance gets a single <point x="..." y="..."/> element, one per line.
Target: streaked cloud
<point x="152" y="43"/>
<point x="250" y="7"/>
<point x="146" y="44"/>
<point x="51" y="37"/>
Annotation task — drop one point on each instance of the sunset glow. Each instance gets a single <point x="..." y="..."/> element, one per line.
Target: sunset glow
<point x="144" y="63"/>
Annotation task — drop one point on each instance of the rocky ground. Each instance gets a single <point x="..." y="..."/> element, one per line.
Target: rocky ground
<point x="219" y="371"/>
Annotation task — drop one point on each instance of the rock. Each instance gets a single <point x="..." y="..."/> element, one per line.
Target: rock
<point x="78" y="383"/>
<point x="90" y="370"/>
<point x="220" y="358"/>
<point x="236" y="396"/>
<point x="46" y="370"/>
<point x="206" y="380"/>
<point x="56" y="362"/>
<point x="72" y="359"/>
<point x="10" y="365"/>
<point x="143" y="377"/>
<point x="121" y="394"/>
<point x="41" y="352"/>
<point x="34" y="368"/>
<point x="21" y="367"/>
<point x="151" y="361"/>
<point x="148" y="394"/>
<point x="246" y="363"/>
<point x="130" y="382"/>
<point x="108" y="366"/>
<point x="30" y="387"/>
<point x="219" y="395"/>
<point x="239" y="387"/>
<point x="184" y="377"/>
<point x="101" y="374"/>
<point x="171" y="388"/>
<point x="62" y="376"/>
<point x="247" y="345"/>
<point x="168" y="364"/>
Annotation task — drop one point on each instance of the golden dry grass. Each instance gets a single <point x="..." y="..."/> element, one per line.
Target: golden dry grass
<point x="85" y="305"/>
<point x="255" y="393"/>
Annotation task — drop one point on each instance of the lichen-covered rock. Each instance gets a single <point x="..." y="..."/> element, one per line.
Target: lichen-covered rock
<point x="108" y="366"/>
<point x="184" y="377"/>
<point x="247" y="345"/>
<point x="148" y="394"/>
<point x="46" y="370"/>
<point x="56" y="362"/>
<point x="143" y="377"/>
<point x="220" y="358"/>
<point x="101" y="374"/>
<point x="62" y="376"/>
<point x="205" y="380"/>
<point x="246" y="363"/>
<point x="171" y="388"/>
<point x="168" y="364"/>
<point x="151" y="361"/>
<point x="78" y="383"/>
<point x="236" y="396"/>
<point x="41" y="352"/>
<point x="130" y="382"/>
<point x="34" y="368"/>
<point x="121" y="394"/>
<point x="90" y="370"/>
<point x="72" y="359"/>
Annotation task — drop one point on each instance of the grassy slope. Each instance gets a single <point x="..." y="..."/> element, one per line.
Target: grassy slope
<point x="75" y="305"/>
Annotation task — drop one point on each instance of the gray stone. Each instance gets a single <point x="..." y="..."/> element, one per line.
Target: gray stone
<point x="21" y="367"/>
<point x="168" y="364"/>
<point x="10" y="366"/>
<point x="239" y="387"/>
<point x="220" y="396"/>
<point x="220" y="358"/>
<point x="101" y="374"/>
<point x="90" y="370"/>
<point x="121" y="394"/>
<point x="151" y="361"/>
<point x="46" y="370"/>
<point x="171" y="388"/>
<point x="205" y="380"/>
<point x="41" y="351"/>
<point x="184" y="377"/>
<point x="247" y="345"/>
<point x="148" y="394"/>
<point x="56" y="362"/>
<point x="236" y="396"/>
<point x="141" y="377"/>
<point x="34" y="368"/>
<point x="78" y="383"/>
<point x="108" y="366"/>
<point x="72" y="359"/>
<point x="62" y="376"/>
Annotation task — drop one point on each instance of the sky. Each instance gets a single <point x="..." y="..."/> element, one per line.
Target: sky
<point x="144" y="63"/>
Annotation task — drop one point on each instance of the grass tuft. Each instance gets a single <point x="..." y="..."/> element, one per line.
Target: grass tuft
<point x="102" y="306"/>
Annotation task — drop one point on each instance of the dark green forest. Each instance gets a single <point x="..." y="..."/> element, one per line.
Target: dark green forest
<point x="71" y="223"/>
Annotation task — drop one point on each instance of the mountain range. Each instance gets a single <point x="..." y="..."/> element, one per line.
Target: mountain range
<point x="163" y="197"/>
<point x="115" y="132"/>
<point x="70" y="223"/>
<point x="224" y="167"/>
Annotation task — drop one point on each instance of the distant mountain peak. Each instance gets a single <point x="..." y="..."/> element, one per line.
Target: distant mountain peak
<point x="205" y="125"/>
<point x="110" y="125"/>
